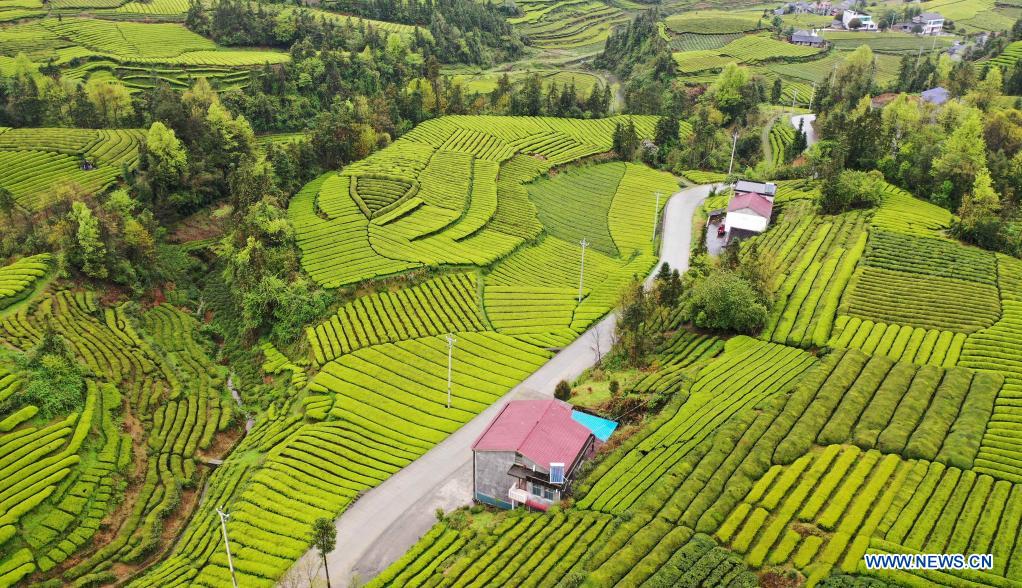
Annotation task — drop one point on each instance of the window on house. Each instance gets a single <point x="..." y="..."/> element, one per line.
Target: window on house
<point x="543" y="491"/>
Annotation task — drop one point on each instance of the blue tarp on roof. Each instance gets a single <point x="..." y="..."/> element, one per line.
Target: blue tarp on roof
<point x="601" y="428"/>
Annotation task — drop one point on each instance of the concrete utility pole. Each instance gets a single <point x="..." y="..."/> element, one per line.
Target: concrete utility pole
<point x="656" y="215"/>
<point x="582" y="269"/>
<point x="812" y="97"/>
<point x="734" y="145"/>
<point x="450" y="355"/>
<point x="794" y="96"/>
<point x="223" y="527"/>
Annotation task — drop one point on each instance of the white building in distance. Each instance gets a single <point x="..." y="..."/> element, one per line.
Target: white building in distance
<point x="865" y="21"/>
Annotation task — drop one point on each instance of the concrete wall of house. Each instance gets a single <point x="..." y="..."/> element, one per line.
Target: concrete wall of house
<point x="541" y="469"/>
<point x="491" y="477"/>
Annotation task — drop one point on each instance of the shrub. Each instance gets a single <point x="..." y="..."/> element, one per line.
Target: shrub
<point x="725" y="301"/>
<point x="851" y="189"/>
<point x="53" y="378"/>
<point x="562" y="391"/>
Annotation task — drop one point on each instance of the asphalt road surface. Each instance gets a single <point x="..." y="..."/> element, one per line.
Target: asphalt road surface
<point x="387" y="520"/>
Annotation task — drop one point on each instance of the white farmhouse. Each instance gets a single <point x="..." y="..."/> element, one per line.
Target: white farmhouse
<point x="750" y="209"/>
<point x="865" y="21"/>
<point x="932" y="23"/>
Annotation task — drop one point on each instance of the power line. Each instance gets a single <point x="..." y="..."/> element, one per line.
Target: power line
<point x="733" y="147"/>
<point x="450" y="358"/>
<point x="656" y="215"/>
<point x="582" y="269"/>
<point x="227" y="545"/>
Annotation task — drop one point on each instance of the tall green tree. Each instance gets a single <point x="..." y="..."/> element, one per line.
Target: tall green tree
<point x="980" y="203"/>
<point x="165" y="159"/>
<point x="727" y="91"/>
<point x="962" y="156"/>
<point x="324" y="538"/>
<point x="88" y="252"/>
<point x="111" y="100"/>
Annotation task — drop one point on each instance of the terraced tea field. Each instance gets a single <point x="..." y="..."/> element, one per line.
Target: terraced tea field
<point x="878" y="412"/>
<point x="579" y="26"/>
<point x="886" y="42"/>
<point x="138" y="53"/>
<point x="36" y="162"/>
<point x="471" y="192"/>
<point x="714" y="23"/>
<point x="705" y="41"/>
<point x="19" y="278"/>
<point x="398" y="209"/>
<point x="67" y="472"/>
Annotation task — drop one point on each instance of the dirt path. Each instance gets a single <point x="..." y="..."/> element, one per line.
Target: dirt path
<point x="764" y="137"/>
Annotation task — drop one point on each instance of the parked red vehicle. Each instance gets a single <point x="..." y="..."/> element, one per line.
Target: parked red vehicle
<point x="720" y="230"/>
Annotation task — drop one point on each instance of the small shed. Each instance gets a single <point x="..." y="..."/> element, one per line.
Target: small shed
<point x="808" y="38"/>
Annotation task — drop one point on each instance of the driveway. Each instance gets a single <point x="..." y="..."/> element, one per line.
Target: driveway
<point x="386" y="521"/>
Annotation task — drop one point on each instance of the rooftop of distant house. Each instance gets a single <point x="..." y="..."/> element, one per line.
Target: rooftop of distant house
<point x="936" y="95"/>
<point x="804" y="36"/>
<point x="756" y="187"/>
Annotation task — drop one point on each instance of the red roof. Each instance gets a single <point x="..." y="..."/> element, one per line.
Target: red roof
<point x="541" y="430"/>
<point x="759" y="204"/>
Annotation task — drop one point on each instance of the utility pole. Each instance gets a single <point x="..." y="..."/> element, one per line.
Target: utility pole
<point x="656" y="215"/>
<point x="734" y="145"/>
<point x="450" y="355"/>
<point x="223" y="527"/>
<point x="794" y="96"/>
<point x="812" y="97"/>
<point x="582" y="269"/>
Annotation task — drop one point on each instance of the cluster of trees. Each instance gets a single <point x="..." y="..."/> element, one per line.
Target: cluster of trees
<point x="111" y="237"/>
<point x="645" y="313"/>
<point x="798" y="144"/>
<point x="965" y="155"/>
<point x="459" y="31"/>
<point x="843" y="190"/>
<point x="196" y="153"/>
<point x="638" y="55"/>
<point x="717" y="113"/>
<point x="641" y="58"/>
<point x="916" y="74"/>
<point x="733" y="294"/>
<point x="30" y="98"/>
<point x="53" y="379"/>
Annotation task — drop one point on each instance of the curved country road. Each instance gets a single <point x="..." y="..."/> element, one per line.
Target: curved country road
<point x="387" y="520"/>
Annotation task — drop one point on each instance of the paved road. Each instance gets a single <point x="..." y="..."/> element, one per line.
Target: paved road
<point x="809" y="119"/>
<point x="385" y="522"/>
